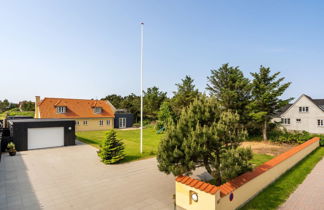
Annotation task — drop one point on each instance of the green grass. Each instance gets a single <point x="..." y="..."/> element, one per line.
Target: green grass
<point x="278" y="192"/>
<point x="16" y="113"/>
<point x="259" y="159"/>
<point x="131" y="138"/>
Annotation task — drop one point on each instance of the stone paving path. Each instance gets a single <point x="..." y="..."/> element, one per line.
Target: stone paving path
<point x="310" y="194"/>
<point x="74" y="178"/>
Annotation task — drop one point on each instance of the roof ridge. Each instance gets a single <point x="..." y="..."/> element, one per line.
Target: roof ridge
<point x="73" y="99"/>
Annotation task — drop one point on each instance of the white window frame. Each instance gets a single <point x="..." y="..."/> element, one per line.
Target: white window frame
<point x="61" y="109"/>
<point x="285" y="121"/>
<point x="303" y="109"/>
<point x="85" y="122"/>
<point x="101" y="122"/>
<point x="320" y="123"/>
<point x="97" y="110"/>
<point x="108" y="122"/>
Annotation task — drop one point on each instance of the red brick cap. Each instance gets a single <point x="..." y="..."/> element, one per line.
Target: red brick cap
<point x="230" y="186"/>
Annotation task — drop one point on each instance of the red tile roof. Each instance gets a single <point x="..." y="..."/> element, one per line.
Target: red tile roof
<point x="230" y="186"/>
<point x="75" y="108"/>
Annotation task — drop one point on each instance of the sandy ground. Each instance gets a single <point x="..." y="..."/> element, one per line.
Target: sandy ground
<point x="268" y="148"/>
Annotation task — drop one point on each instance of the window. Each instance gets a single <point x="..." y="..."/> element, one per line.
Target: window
<point x="320" y="123"/>
<point x="101" y="122"/>
<point x="298" y="120"/>
<point x="285" y="121"/>
<point x="77" y="122"/>
<point x="97" y="110"/>
<point x="85" y="122"/>
<point x="61" y="109"/>
<point x="108" y="122"/>
<point x="303" y="109"/>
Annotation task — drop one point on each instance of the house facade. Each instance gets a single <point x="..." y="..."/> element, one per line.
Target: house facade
<point x="306" y="114"/>
<point x="88" y="114"/>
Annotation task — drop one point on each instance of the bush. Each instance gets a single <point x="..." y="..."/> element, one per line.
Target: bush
<point x="292" y="137"/>
<point x="11" y="146"/>
<point x="136" y="125"/>
<point x="112" y="149"/>
<point x="322" y="142"/>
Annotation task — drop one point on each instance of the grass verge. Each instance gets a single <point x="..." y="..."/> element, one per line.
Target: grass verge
<point x="278" y="192"/>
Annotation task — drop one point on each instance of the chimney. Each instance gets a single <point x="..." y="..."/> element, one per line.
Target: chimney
<point x="37" y="99"/>
<point x="36" y="107"/>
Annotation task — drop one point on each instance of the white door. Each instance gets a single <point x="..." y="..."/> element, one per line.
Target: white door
<point x="45" y="137"/>
<point x="122" y="122"/>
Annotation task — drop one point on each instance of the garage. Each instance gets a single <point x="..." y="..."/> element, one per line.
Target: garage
<point x="54" y="137"/>
<point x="30" y="134"/>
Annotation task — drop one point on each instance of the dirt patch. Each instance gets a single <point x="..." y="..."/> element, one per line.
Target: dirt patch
<point x="268" y="148"/>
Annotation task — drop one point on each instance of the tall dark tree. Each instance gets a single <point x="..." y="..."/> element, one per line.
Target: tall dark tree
<point x="231" y="89"/>
<point x="206" y="136"/>
<point x="153" y="98"/>
<point x="266" y="92"/>
<point x="115" y="100"/>
<point x="186" y="93"/>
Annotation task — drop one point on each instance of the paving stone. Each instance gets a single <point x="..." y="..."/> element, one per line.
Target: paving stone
<point x="74" y="178"/>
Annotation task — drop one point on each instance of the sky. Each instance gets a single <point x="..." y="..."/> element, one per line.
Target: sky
<point x="89" y="49"/>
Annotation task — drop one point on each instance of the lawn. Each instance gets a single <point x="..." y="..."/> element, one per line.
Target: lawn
<point x="151" y="140"/>
<point x="131" y="138"/>
<point x="278" y="192"/>
<point x="259" y="159"/>
<point x="16" y="113"/>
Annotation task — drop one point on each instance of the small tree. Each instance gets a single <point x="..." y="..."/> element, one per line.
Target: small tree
<point x="205" y="136"/>
<point x="266" y="90"/>
<point x="112" y="149"/>
<point x="164" y="115"/>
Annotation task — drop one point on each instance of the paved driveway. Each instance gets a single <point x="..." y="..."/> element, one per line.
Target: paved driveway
<point x="74" y="178"/>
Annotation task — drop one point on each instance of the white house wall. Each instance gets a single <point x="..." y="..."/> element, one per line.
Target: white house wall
<point x="308" y="119"/>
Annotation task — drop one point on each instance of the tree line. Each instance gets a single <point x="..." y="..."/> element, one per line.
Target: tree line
<point x="255" y="101"/>
<point x="5" y="105"/>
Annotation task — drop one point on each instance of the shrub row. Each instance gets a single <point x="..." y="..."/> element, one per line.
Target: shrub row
<point x="295" y="137"/>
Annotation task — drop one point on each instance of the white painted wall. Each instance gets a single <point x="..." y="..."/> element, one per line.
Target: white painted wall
<point x="45" y="137"/>
<point x="308" y="119"/>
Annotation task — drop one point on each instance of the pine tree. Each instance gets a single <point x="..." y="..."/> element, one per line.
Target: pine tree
<point x="112" y="149"/>
<point x="205" y="136"/>
<point x="185" y="94"/>
<point x="231" y="89"/>
<point x="266" y="90"/>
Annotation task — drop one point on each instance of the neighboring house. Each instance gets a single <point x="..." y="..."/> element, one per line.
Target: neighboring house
<point x="88" y="114"/>
<point x="306" y="114"/>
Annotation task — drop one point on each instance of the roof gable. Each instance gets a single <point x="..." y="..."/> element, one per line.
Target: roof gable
<point x="76" y="108"/>
<point x="317" y="102"/>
